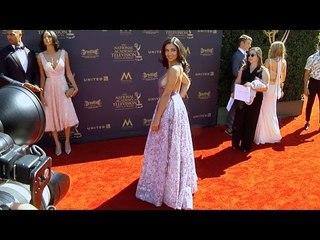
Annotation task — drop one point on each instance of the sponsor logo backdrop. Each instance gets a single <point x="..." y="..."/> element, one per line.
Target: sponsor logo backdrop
<point x="117" y="73"/>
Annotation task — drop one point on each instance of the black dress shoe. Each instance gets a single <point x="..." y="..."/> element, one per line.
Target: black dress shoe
<point x="245" y="150"/>
<point x="228" y="131"/>
<point x="306" y="126"/>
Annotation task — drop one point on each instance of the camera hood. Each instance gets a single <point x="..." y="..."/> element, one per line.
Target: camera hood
<point x="22" y="115"/>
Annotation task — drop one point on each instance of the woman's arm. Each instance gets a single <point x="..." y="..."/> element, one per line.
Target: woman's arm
<point x="70" y="75"/>
<point x="172" y="76"/>
<point x="283" y="72"/>
<point x="267" y="63"/>
<point x="42" y="77"/>
<point x="265" y="80"/>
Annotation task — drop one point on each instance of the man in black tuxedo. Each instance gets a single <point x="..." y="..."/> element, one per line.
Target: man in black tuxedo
<point x="17" y="61"/>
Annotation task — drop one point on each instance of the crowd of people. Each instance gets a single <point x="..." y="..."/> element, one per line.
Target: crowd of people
<point x="168" y="174"/>
<point x="257" y="121"/>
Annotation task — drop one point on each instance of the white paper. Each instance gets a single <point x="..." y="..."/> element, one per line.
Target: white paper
<point x="230" y="102"/>
<point x="242" y="93"/>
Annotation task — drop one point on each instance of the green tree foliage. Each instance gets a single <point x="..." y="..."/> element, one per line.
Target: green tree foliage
<point x="300" y="44"/>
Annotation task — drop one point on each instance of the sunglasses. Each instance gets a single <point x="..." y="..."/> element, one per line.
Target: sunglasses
<point x="252" y="55"/>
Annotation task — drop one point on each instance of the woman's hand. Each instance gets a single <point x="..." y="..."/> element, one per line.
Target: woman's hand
<point x="75" y="92"/>
<point x="248" y="84"/>
<point x="155" y="126"/>
<point x="71" y="92"/>
<point x="43" y="101"/>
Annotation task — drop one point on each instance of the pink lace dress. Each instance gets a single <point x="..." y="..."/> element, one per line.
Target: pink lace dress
<point x="59" y="109"/>
<point x="168" y="172"/>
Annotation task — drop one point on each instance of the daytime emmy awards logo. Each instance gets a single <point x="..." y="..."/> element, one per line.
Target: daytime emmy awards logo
<point x="138" y="56"/>
<point x="138" y="96"/>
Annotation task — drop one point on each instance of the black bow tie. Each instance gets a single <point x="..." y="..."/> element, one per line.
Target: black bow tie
<point x="19" y="47"/>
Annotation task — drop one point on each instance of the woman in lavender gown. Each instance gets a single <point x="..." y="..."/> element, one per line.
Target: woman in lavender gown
<point x="168" y="173"/>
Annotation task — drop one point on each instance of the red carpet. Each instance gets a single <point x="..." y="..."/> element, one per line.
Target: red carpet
<point x="282" y="176"/>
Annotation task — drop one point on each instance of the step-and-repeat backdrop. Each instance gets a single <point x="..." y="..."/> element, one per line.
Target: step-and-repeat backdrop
<point x="117" y="73"/>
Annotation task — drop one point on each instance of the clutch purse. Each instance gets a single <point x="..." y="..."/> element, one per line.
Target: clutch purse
<point x="69" y="92"/>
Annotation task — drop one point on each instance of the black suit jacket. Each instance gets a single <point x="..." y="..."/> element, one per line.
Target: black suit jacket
<point x="10" y="66"/>
<point x="238" y="59"/>
<point x="10" y="80"/>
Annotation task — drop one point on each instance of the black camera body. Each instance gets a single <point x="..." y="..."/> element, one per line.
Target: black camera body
<point x="30" y="168"/>
<point x="25" y="169"/>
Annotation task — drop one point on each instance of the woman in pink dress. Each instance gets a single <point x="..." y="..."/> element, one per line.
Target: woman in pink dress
<point x="168" y="173"/>
<point x="56" y="95"/>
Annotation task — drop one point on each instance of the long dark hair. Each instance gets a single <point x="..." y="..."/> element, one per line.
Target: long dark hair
<point x="55" y="40"/>
<point x="182" y="54"/>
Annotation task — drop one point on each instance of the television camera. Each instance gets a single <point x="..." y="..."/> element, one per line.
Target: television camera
<point x="25" y="169"/>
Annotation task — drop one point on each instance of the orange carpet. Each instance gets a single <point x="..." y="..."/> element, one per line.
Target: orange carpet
<point x="280" y="176"/>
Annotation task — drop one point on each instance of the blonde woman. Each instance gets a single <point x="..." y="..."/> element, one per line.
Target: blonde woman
<point x="268" y="130"/>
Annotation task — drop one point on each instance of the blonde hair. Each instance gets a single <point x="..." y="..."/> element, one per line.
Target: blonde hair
<point x="244" y="37"/>
<point x="277" y="49"/>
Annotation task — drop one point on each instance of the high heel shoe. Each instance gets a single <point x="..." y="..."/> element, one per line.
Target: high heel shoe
<point x="58" y="150"/>
<point x="67" y="147"/>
